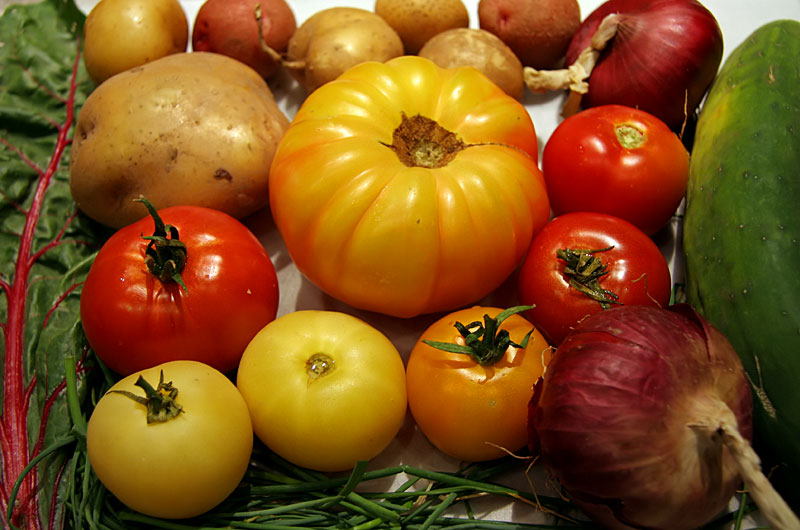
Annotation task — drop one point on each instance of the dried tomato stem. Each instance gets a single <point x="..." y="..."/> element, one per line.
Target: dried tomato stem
<point x="486" y="343"/>
<point x="165" y="255"/>
<point x="584" y="271"/>
<point x="421" y="142"/>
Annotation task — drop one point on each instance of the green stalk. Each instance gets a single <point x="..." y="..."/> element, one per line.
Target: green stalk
<point x="486" y="343"/>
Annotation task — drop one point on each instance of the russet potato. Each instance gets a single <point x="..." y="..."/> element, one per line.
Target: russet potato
<point x="192" y="128"/>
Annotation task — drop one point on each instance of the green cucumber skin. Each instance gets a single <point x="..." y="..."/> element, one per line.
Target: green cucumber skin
<point x="741" y="230"/>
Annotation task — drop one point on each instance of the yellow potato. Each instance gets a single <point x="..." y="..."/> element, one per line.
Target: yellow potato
<point x="417" y="21"/>
<point x="121" y="34"/>
<point x="480" y="49"/>
<point x="334" y="39"/>
<point x="192" y="128"/>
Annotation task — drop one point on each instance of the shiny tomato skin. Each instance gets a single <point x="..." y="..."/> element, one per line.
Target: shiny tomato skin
<point x="471" y="412"/>
<point x="588" y="168"/>
<point x="325" y="389"/>
<point x="638" y="273"/>
<point x="133" y="320"/>
<point x="400" y="239"/>
<point x="179" y="468"/>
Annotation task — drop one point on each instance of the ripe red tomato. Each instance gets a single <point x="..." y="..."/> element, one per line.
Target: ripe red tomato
<point x="133" y="320"/>
<point x="616" y="160"/>
<point x="626" y="265"/>
<point x="470" y="410"/>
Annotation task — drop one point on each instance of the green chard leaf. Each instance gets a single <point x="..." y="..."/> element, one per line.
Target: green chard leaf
<point x="46" y="247"/>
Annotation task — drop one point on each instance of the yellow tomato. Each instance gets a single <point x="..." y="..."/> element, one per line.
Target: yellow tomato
<point x="121" y="34"/>
<point x="325" y="390"/>
<point x="182" y="466"/>
<point x="473" y="411"/>
<point x="405" y="188"/>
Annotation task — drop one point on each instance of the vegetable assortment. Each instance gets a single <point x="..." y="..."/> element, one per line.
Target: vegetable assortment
<point x="152" y="372"/>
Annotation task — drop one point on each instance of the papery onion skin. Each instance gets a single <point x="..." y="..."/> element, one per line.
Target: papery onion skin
<point x="611" y="417"/>
<point x="662" y="60"/>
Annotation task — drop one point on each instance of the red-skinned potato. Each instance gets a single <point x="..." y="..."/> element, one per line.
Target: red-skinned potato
<point x="230" y="27"/>
<point x="538" y="31"/>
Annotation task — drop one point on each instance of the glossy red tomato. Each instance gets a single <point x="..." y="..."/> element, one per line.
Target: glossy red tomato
<point x="134" y="320"/>
<point x="616" y="160"/>
<point x="625" y="267"/>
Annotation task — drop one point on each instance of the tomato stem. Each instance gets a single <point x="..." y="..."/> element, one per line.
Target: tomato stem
<point x="629" y="136"/>
<point x="165" y="255"/>
<point x="319" y="365"/>
<point x="160" y="401"/>
<point x="485" y="342"/>
<point x="584" y="271"/>
<point x="421" y="142"/>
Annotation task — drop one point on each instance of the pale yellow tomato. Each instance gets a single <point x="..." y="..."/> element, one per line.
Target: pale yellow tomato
<point x="121" y="34"/>
<point x="181" y="467"/>
<point x="325" y="389"/>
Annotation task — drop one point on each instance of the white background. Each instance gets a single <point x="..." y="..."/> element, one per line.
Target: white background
<point x="737" y="18"/>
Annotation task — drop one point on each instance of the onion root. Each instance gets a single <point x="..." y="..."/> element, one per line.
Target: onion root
<point x="575" y="76"/>
<point x="776" y="511"/>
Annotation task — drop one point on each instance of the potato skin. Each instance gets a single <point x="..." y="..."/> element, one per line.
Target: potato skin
<point x="334" y="39"/>
<point x="122" y="34"/>
<point x="229" y="27"/>
<point x="417" y="21"/>
<point x="193" y="128"/>
<point x="537" y="30"/>
<point x="482" y="50"/>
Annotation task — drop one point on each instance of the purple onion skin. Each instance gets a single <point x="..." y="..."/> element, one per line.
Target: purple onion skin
<point x="663" y="59"/>
<point x="611" y="417"/>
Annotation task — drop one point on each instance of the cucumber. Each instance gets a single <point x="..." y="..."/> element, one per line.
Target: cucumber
<point x="741" y="232"/>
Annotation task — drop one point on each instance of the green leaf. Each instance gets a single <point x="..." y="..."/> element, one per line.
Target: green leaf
<point x="45" y="244"/>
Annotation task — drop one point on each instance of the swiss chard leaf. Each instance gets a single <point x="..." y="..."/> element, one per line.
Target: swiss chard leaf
<point x="45" y="248"/>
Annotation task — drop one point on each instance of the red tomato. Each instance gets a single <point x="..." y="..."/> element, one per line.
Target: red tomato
<point x="616" y="160"/>
<point x="470" y="410"/>
<point x="636" y="272"/>
<point x="133" y="320"/>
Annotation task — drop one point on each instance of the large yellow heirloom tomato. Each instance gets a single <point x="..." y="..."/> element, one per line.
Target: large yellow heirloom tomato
<point x="405" y="188"/>
<point x="325" y="389"/>
<point x="182" y="461"/>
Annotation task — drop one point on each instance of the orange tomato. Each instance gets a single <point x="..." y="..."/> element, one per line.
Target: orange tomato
<point x="470" y="411"/>
<point x="405" y="188"/>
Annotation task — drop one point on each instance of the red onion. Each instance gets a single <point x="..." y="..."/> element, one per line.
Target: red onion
<point x="662" y="59"/>
<point x="644" y="415"/>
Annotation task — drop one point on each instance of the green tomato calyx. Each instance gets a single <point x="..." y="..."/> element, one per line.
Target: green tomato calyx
<point x="160" y="401"/>
<point x="485" y="342"/>
<point x="421" y="142"/>
<point x="319" y="365"/>
<point x="583" y="270"/>
<point x="165" y="255"/>
<point x="629" y="136"/>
